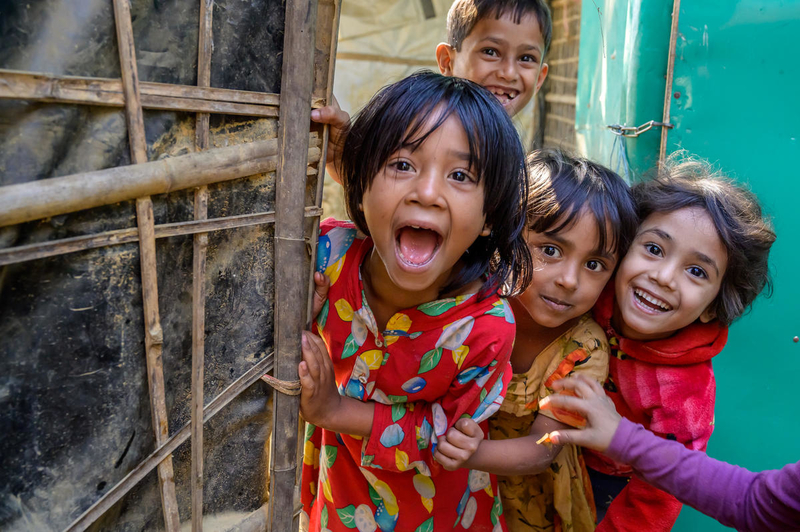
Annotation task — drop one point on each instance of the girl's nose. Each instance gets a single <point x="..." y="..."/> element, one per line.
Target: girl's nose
<point x="664" y="274"/>
<point x="428" y="189"/>
<point x="568" y="279"/>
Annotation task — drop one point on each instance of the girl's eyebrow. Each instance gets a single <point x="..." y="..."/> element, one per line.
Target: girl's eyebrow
<point x="702" y="257"/>
<point x="461" y="155"/>
<point x="658" y="232"/>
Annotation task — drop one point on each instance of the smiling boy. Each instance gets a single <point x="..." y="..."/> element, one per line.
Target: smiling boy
<point x="499" y="44"/>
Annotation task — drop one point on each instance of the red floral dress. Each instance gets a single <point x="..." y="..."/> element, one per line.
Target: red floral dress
<point x="433" y="364"/>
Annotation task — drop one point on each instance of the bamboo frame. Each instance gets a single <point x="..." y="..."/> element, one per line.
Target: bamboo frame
<point x="154" y="336"/>
<point x="25" y="202"/>
<point x="159" y="96"/>
<point x="297" y="82"/>
<point x="120" y="489"/>
<point x="51" y="197"/>
<point x="204" y="47"/>
<point x="125" y="236"/>
<point x="673" y="40"/>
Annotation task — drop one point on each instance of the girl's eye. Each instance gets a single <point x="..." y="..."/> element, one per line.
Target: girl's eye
<point x="595" y="266"/>
<point x="401" y="166"/>
<point x="490" y="52"/>
<point x="551" y="251"/>
<point x="461" y="177"/>
<point x="527" y="58"/>
<point x="697" y="271"/>
<point x="654" y="249"/>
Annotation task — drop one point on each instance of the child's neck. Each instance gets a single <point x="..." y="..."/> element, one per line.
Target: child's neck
<point x="384" y="297"/>
<point x="532" y="338"/>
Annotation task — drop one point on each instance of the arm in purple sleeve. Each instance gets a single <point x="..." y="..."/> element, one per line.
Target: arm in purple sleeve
<point x="732" y="495"/>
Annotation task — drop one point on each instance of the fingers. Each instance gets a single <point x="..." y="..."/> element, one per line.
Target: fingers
<point x="563" y="437"/>
<point x="469" y="428"/>
<point x="315" y="356"/>
<point x="332" y="115"/>
<point x="322" y="284"/>
<point x="567" y="402"/>
<point x="450" y="451"/>
<point x="580" y="385"/>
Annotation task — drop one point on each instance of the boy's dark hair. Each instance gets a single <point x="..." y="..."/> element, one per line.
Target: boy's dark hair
<point x="464" y="14"/>
<point x="745" y="231"/>
<point x="562" y="187"/>
<point x="403" y="115"/>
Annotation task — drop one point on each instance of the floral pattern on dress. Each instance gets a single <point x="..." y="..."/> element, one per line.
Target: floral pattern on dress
<point x="559" y="498"/>
<point x="432" y="365"/>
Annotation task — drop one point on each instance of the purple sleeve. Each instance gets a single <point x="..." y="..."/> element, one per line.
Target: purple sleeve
<point x="732" y="495"/>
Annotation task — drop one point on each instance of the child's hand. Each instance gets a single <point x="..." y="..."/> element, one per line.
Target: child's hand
<point x="458" y="444"/>
<point x="590" y="401"/>
<point x="337" y="119"/>
<point x="319" y="398"/>
<point x="322" y="284"/>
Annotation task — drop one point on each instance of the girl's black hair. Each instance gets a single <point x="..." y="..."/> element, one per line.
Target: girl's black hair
<point x="746" y="233"/>
<point x="401" y="116"/>
<point x="562" y="187"/>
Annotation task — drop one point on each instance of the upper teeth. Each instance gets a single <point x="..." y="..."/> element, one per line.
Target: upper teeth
<point x="511" y="94"/>
<point x="655" y="301"/>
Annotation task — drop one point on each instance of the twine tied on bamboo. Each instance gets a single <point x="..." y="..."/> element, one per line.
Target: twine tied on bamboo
<point x="285" y="387"/>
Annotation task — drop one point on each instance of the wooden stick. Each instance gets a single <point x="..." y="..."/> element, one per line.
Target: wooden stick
<point x="673" y="40"/>
<point x="119" y="490"/>
<point x="291" y="258"/>
<point x="59" y="195"/>
<point x="162" y="96"/>
<point x="125" y="236"/>
<point x="204" y="48"/>
<point x="147" y="252"/>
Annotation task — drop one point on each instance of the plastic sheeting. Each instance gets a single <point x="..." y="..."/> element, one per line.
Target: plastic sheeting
<point x="74" y="406"/>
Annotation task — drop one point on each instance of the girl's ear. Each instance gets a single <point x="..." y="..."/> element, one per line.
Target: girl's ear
<point x="708" y="315"/>
<point x="445" y="54"/>
<point x="487" y="230"/>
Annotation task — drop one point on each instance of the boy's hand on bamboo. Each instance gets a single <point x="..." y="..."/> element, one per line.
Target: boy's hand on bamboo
<point x="590" y="401"/>
<point x="322" y="284"/>
<point x="338" y="120"/>
<point x="319" y="398"/>
<point x="458" y="444"/>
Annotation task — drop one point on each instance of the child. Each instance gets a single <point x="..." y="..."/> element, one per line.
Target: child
<point x="697" y="263"/>
<point x="500" y="44"/>
<point x="732" y="495"/>
<point x="581" y="220"/>
<point x="415" y="333"/>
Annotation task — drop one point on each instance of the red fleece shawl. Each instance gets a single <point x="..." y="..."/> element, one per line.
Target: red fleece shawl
<point x="668" y="386"/>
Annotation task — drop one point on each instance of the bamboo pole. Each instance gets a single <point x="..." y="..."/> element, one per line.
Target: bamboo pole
<point x="24" y="202"/>
<point x="119" y="490"/>
<point x="160" y="96"/>
<point x="291" y="258"/>
<point x="204" y="48"/>
<point x="147" y="252"/>
<point x="124" y="236"/>
<point x="673" y="40"/>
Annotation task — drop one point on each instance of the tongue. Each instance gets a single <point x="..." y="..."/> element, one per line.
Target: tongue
<point x="417" y="245"/>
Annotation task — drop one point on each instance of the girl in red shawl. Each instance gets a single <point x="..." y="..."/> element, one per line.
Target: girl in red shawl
<point x="413" y="334"/>
<point x="697" y="263"/>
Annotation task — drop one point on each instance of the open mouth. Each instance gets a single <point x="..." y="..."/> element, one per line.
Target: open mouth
<point x="651" y="302"/>
<point x="504" y="95"/>
<point x="417" y="246"/>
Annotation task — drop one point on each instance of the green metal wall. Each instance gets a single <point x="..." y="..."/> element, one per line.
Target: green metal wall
<point x="737" y="73"/>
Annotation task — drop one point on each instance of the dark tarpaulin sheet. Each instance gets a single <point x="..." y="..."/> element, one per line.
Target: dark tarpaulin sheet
<point x="74" y="405"/>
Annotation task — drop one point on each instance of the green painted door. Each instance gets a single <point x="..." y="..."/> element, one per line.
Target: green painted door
<point x="736" y="102"/>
